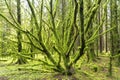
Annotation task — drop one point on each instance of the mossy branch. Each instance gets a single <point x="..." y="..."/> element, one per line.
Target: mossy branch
<point x="16" y="22"/>
<point x="81" y="51"/>
<point x="33" y="13"/>
<point x="92" y="14"/>
<point x="27" y="57"/>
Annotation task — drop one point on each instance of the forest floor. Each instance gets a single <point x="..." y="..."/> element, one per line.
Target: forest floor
<point x="97" y="70"/>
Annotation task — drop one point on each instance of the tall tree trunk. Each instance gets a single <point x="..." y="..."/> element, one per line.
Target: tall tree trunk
<point x="116" y="32"/>
<point x="111" y="37"/>
<point x="91" y="52"/>
<point x="21" y="60"/>
<point x="32" y="24"/>
<point x="63" y="17"/>
<point x="100" y="31"/>
<point x="81" y="12"/>
<point x="106" y="27"/>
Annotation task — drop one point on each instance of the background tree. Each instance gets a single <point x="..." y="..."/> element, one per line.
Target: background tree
<point x="21" y="60"/>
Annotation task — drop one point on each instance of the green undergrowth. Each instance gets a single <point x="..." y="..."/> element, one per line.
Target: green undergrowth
<point x="97" y="70"/>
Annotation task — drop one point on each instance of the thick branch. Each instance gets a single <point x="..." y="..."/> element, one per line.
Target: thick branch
<point x="82" y="32"/>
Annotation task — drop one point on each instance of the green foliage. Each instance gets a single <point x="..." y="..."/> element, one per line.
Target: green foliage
<point x="57" y="33"/>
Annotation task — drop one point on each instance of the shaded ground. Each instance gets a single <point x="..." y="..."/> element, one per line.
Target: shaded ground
<point x="89" y="71"/>
<point x="99" y="70"/>
<point x="3" y="78"/>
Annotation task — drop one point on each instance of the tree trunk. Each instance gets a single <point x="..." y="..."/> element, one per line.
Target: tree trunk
<point x="106" y="27"/>
<point x="111" y="36"/>
<point x="91" y="52"/>
<point x="100" y="31"/>
<point x="21" y="60"/>
<point x="32" y="30"/>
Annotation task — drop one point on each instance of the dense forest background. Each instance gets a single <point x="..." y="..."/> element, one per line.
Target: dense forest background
<point x="64" y="37"/>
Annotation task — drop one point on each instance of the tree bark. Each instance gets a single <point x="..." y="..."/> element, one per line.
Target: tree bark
<point x="21" y="60"/>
